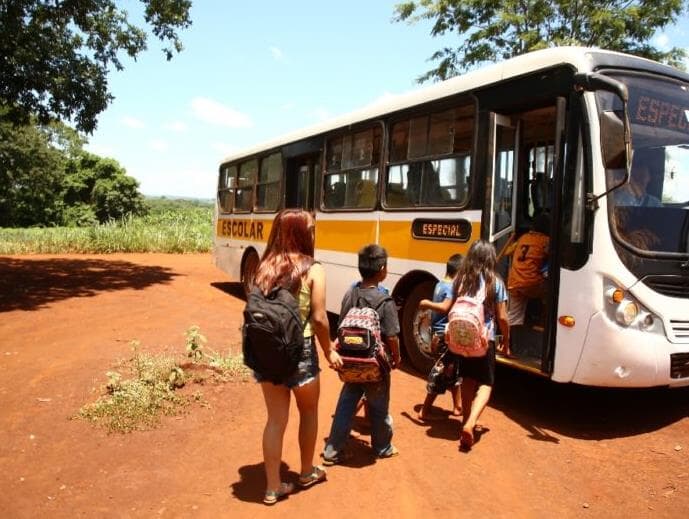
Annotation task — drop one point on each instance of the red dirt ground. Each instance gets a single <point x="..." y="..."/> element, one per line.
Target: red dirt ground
<point x="548" y="450"/>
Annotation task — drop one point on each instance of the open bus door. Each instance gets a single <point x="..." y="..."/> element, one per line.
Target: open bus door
<point x="525" y="150"/>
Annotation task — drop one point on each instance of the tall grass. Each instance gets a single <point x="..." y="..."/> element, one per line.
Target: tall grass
<point x="172" y="226"/>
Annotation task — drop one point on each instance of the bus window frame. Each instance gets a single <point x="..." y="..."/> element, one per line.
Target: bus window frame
<point x="324" y="173"/>
<point x="465" y="99"/>
<point x="252" y="186"/>
<point x="280" y="182"/>
<point x="227" y="188"/>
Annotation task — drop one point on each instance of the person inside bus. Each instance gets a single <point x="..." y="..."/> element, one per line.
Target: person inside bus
<point x="288" y="261"/>
<point x="444" y="374"/>
<point x="635" y="192"/>
<point x="526" y="278"/>
<point x="478" y="273"/>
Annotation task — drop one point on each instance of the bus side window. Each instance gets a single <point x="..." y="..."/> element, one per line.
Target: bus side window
<point x="430" y="159"/>
<point x="351" y="178"/>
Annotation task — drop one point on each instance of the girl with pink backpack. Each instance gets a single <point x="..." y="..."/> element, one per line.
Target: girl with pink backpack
<point x="479" y="303"/>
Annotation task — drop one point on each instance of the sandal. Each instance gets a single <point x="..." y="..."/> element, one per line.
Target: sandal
<point x="466" y="440"/>
<point x="316" y="475"/>
<point x="273" y="496"/>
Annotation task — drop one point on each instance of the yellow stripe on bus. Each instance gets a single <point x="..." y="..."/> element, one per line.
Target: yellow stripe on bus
<point x="344" y="235"/>
<point x="351" y="235"/>
<point x="397" y="238"/>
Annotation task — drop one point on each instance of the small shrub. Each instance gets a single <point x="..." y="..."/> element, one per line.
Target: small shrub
<point x="150" y="390"/>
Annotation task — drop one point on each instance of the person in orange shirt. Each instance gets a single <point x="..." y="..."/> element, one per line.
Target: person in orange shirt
<point x="526" y="278"/>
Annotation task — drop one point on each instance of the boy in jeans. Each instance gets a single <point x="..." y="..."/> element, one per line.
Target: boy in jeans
<point x="373" y="269"/>
<point x="444" y="374"/>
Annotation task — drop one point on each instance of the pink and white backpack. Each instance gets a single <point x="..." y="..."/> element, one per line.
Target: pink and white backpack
<point x="466" y="333"/>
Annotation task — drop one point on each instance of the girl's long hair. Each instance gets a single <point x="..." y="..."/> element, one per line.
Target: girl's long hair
<point x="480" y="261"/>
<point x="289" y="251"/>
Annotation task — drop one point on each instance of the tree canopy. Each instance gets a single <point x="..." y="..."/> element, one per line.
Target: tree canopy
<point x="48" y="179"/>
<point x="55" y="55"/>
<point x="490" y="30"/>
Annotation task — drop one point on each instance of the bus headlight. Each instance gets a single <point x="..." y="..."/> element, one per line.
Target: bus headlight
<point x="626" y="312"/>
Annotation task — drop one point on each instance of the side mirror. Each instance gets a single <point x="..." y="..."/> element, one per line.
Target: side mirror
<point x="615" y="132"/>
<point x="613" y="144"/>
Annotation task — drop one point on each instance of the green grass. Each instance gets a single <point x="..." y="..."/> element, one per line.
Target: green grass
<point x="171" y="226"/>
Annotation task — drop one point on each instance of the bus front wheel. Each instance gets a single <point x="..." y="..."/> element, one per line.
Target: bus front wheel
<point x="249" y="266"/>
<point x="416" y="329"/>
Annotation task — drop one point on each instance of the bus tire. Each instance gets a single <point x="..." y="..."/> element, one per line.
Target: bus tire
<point x="249" y="266"/>
<point x="415" y="336"/>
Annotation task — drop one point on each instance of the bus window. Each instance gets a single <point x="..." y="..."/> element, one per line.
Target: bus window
<point x="268" y="185"/>
<point x="351" y="178"/>
<point x="540" y="178"/>
<point x="503" y="177"/>
<point x="226" y="187"/>
<point x="244" y="194"/>
<point x="430" y="160"/>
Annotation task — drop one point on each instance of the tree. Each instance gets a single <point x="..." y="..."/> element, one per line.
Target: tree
<point x="31" y="174"/>
<point x="47" y="179"/>
<point x="55" y="54"/>
<point x="500" y="29"/>
<point x="97" y="189"/>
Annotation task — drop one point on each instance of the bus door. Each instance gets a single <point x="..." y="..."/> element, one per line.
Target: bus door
<point x="525" y="162"/>
<point x="503" y="183"/>
<point x="507" y="201"/>
<point x="301" y="175"/>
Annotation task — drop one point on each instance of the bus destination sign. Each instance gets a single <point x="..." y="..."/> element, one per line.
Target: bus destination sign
<point x="652" y="109"/>
<point x="444" y="230"/>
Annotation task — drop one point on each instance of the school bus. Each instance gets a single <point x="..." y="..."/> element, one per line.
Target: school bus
<point x="564" y="130"/>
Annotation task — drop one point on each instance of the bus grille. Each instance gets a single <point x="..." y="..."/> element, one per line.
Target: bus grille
<point x="670" y="285"/>
<point x="679" y="365"/>
<point x="680" y="329"/>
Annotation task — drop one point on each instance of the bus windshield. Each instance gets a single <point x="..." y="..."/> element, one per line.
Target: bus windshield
<point x="651" y="211"/>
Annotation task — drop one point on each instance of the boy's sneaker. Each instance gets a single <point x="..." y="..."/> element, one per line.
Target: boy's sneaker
<point x="338" y="459"/>
<point x="390" y="453"/>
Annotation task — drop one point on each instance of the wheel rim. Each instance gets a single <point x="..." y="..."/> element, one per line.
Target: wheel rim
<point x="423" y="333"/>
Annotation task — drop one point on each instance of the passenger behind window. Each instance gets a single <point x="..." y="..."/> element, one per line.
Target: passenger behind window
<point x="335" y="196"/>
<point x="366" y="194"/>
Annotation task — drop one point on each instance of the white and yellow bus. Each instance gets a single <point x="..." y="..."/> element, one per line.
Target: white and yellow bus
<point x="479" y="156"/>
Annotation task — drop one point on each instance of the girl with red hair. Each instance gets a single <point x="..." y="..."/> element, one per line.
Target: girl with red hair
<point x="288" y="262"/>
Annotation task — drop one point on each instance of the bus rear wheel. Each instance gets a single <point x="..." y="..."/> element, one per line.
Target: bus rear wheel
<point x="416" y="329"/>
<point x="249" y="266"/>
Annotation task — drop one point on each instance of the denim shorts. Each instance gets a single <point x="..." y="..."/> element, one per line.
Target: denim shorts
<point x="307" y="369"/>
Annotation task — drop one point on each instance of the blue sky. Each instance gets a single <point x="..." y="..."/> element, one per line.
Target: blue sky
<point x="251" y="72"/>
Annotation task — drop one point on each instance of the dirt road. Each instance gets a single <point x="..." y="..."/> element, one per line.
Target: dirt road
<point x="548" y="450"/>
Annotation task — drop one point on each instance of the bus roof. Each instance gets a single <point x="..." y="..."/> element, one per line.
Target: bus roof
<point x="583" y="59"/>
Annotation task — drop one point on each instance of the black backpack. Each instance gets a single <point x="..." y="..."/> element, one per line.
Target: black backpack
<point x="272" y="334"/>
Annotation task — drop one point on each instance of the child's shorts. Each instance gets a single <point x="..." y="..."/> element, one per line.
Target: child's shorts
<point x="307" y="369"/>
<point x="444" y="373"/>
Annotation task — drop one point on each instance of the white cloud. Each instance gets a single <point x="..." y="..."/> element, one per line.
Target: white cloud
<point x="213" y="112"/>
<point x="132" y="122"/>
<point x="224" y="148"/>
<point x="175" y="126"/>
<point x="158" y="144"/>
<point x="277" y="54"/>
